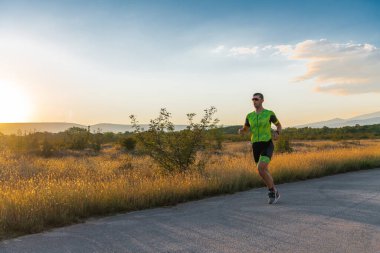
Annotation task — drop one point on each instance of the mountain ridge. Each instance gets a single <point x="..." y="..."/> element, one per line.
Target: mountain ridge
<point x="55" y="127"/>
<point x="364" y="119"/>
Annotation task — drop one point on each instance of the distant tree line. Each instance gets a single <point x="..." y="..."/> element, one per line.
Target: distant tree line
<point x="308" y="133"/>
<point x="74" y="138"/>
<point x="341" y="133"/>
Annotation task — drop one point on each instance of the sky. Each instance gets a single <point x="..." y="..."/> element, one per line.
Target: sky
<point x="91" y="62"/>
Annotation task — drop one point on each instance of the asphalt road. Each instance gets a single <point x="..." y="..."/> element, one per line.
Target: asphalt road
<point x="338" y="213"/>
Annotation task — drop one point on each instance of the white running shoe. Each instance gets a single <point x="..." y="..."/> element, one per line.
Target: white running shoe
<point x="273" y="196"/>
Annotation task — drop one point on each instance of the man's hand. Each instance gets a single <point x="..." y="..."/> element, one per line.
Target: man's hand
<point x="241" y="131"/>
<point x="275" y="135"/>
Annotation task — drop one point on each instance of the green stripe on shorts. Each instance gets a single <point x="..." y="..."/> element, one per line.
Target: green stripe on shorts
<point x="264" y="158"/>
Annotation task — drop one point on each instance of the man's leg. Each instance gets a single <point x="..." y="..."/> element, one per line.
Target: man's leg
<point x="273" y="194"/>
<point x="264" y="173"/>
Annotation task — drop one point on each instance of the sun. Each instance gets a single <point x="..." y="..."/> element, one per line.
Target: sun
<point x="14" y="104"/>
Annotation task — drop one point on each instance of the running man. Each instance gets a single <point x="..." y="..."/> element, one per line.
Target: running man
<point x="258" y="123"/>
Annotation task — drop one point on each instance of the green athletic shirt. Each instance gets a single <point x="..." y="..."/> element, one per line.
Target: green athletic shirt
<point x="260" y="125"/>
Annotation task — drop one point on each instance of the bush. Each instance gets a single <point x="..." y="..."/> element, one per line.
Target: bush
<point x="217" y="135"/>
<point x="177" y="150"/>
<point x="96" y="141"/>
<point x="128" y="143"/>
<point x="77" y="138"/>
<point x="109" y="137"/>
<point x="46" y="148"/>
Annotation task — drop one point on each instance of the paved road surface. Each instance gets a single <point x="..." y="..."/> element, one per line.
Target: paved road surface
<point x="338" y="213"/>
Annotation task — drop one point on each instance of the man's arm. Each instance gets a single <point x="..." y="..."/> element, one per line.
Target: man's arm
<point x="245" y="128"/>
<point x="277" y="123"/>
<point x="279" y="128"/>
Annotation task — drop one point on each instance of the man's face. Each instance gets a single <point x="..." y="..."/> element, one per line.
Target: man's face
<point x="257" y="101"/>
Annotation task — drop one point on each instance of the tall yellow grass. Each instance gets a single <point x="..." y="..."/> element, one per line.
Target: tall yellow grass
<point x="38" y="193"/>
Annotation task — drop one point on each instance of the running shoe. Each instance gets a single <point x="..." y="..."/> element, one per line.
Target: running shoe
<point x="273" y="196"/>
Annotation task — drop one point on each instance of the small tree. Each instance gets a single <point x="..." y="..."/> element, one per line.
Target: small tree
<point x="46" y="149"/>
<point x="96" y="141"/>
<point x="128" y="143"/>
<point x="217" y="135"/>
<point x="77" y="138"/>
<point x="176" y="150"/>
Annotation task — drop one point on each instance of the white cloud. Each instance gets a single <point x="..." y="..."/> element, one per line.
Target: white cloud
<point x="218" y="49"/>
<point x="243" y="51"/>
<point x="235" y="51"/>
<point x="339" y="68"/>
<point x="267" y="47"/>
<point x="285" y="50"/>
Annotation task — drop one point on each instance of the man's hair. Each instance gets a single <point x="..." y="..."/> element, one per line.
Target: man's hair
<point x="259" y="94"/>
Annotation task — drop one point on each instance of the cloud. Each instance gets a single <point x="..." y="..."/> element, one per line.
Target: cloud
<point x="341" y="69"/>
<point x="338" y="68"/>
<point x="285" y="50"/>
<point x="235" y="51"/>
<point x="218" y="49"/>
<point x="243" y="50"/>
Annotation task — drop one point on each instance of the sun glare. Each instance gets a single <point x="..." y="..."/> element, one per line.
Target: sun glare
<point x="14" y="104"/>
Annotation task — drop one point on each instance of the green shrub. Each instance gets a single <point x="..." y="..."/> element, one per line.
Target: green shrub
<point x="177" y="150"/>
<point x="128" y="143"/>
<point x="96" y="141"/>
<point x="77" y="138"/>
<point x="46" y="148"/>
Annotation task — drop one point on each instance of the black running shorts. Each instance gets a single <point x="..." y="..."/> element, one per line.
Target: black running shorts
<point x="262" y="151"/>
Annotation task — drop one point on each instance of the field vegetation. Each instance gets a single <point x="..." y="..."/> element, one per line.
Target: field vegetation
<point x="49" y="180"/>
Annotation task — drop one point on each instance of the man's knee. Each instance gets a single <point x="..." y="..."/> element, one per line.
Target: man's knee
<point x="262" y="167"/>
<point x="263" y="162"/>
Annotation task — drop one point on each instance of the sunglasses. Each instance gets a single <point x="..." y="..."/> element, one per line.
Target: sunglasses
<point x="255" y="99"/>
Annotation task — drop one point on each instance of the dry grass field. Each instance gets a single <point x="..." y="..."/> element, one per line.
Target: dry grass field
<point x="39" y="193"/>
